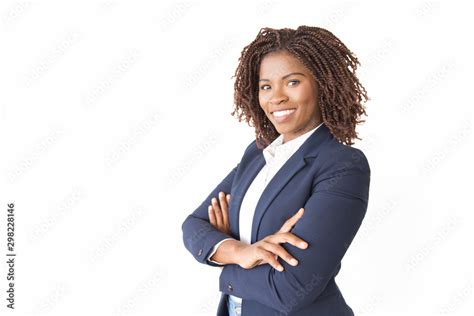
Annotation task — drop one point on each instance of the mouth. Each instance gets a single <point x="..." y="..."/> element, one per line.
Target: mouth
<point x="283" y="112"/>
<point x="283" y="115"/>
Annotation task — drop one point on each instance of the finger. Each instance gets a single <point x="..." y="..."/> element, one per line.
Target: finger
<point x="294" y="240"/>
<point x="217" y="212"/>
<point x="224" y="209"/>
<point x="228" y="198"/>
<point x="260" y="262"/>
<point x="288" y="237"/>
<point x="288" y="225"/>
<point x="271" y="260"/>
<point x="212" y="216"/>
<point x="281" y="252"/>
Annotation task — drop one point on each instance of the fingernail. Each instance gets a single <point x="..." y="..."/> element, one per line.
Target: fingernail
<point x="214" y="200"/>
<point x="221" y="194"/>
<point x="294" y="261"/>
<point x="280" y="268"/>
<point x="303" y="244"/>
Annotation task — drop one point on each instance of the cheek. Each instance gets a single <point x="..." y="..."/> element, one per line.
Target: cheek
<point x="305" y="93"/>
<point x="306" y="106"/>
<point x="262" y="100"/>
<point x="306" y="99"/>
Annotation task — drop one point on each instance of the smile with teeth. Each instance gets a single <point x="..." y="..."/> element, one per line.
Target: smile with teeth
<point x="283" y="113"/>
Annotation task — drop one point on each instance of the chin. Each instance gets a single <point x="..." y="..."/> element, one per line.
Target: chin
<point x="282" y="130"/>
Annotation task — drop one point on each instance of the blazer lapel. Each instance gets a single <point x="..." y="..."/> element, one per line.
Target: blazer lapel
<point x="297" y="161"/>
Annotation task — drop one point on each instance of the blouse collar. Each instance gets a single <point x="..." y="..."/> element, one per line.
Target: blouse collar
<point x="277" y="149"/>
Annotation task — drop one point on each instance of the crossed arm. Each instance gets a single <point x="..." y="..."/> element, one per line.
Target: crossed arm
<point x="206" y="228"/>
<point x="332" y="217"/>
<point x="267" y="250"/>
<point x="199" y="236"/>
<point x="329" y="226"/>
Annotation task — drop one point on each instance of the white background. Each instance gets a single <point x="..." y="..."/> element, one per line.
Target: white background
<point x="115" y="125"/>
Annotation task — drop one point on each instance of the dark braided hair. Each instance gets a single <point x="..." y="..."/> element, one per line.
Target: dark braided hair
<point x="332" y="65"/>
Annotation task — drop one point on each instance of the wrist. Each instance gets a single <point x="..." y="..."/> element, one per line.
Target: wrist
<point x="237" y="249"/>
<point x="227" y="252"/>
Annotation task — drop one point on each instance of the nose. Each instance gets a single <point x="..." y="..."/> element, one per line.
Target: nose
<point x="278" y="97"/>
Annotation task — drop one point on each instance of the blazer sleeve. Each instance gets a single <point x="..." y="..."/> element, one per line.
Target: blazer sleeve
<point x="333" y="214"/>
<point x="199" y="236"/>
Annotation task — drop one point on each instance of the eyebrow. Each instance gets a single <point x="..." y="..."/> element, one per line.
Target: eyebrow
<point x="285" y="76"/>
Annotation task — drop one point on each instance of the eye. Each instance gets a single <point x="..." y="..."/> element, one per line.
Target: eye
<point x="291" y="83"/>
<point x="295" y="81"/>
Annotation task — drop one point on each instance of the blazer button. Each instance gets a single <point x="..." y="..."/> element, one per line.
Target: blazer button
<point x="229" y="287"/>
<point x="200" y="252"/>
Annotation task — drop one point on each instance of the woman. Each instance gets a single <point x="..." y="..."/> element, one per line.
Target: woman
<point x="281" y="221"/>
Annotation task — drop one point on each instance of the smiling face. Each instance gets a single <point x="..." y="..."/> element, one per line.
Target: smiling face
<point x="286" y="84"/>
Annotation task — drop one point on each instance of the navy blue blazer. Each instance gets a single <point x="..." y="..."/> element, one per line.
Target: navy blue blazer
<point x="331" y="181"/>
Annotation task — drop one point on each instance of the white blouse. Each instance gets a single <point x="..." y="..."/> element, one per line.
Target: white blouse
<point x="276" y="154"/>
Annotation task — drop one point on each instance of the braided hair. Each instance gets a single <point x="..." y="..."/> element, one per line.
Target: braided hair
<point x="330" y="62"/>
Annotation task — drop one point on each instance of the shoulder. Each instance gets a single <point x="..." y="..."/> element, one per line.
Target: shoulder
<point x="252" y="148"/>
<point x="342" y="170"/>
<point x="252" y="145"/>
<point x="251" y="151"/>
<point x="335" y="155"/>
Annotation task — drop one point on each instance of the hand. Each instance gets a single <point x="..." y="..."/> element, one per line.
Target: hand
<point x="219" y="214"/>
<point x="268" y="249"/>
